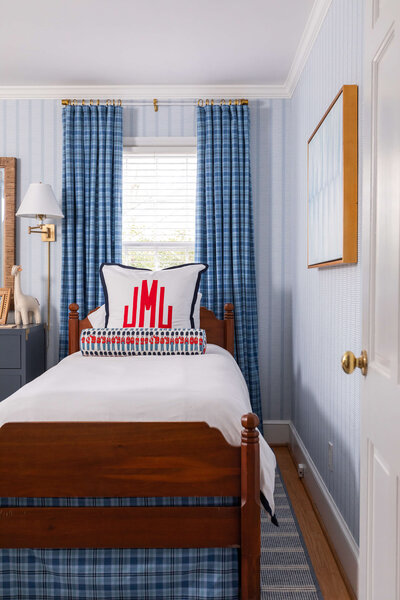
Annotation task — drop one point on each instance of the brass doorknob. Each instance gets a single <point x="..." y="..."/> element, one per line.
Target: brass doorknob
<point x="350" y="362"/>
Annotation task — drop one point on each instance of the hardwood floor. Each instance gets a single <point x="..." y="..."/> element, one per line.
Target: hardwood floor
<point x="325" y="566"/>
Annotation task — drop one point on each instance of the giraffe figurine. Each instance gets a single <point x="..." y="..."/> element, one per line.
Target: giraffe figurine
<point x="25" y="307"/>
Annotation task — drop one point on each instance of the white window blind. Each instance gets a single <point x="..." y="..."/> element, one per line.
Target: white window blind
<point x="159" y="192"/>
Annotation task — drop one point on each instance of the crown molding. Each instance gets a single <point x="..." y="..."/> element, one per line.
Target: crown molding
<point x="142" y="92"/>
<point x="184" y="92"/>
<point x="307" y="40"/>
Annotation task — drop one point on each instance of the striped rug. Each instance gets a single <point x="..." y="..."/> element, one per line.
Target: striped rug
<point x="286" y="570"/>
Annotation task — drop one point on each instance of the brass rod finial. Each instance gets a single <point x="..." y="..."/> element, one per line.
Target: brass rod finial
<point x="65" y="102"/>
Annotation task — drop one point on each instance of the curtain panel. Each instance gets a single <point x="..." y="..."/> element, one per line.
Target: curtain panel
<point x="92" y="205"/>
<point x="224" y="229"/>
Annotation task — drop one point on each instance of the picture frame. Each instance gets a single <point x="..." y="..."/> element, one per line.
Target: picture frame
<point x="332" y="184"/>
<point x="8" y="186"/>
<point x="5" y="296"/>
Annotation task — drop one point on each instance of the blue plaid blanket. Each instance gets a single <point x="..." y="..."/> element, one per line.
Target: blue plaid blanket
<point x="119" y="574"/>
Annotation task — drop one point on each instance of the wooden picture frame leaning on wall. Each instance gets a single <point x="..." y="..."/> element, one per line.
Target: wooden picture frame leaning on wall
<point x="5" y="295"/>
<point x="332" y="182"/>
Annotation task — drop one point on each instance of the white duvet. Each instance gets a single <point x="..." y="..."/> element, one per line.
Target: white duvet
<point x="208" y="388"/>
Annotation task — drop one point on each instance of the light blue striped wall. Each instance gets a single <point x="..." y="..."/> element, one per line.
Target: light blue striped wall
<point x="326" y="303"/>
<point x="31" y="131"/>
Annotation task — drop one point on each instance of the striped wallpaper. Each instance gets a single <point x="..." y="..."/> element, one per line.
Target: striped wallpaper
<point x="326" y="303"/>
<point x="31" y="131"/>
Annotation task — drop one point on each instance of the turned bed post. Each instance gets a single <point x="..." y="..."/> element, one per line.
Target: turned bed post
<point x="229" y="328"/>
<point x="73" y="328"/>
<point x="250" y="509"/>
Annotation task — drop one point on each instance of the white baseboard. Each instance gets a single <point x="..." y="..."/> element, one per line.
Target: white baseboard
<point x="339" y="534"/>
<point x="284" y="432"/>
<point x="277" y="432"/>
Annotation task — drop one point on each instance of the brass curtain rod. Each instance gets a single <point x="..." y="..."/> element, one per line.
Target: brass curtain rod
<point x="155" y="102"/>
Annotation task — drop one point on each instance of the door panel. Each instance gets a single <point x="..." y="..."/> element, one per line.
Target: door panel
<point x="385" y="207"/>
<point x="380" y="397"/>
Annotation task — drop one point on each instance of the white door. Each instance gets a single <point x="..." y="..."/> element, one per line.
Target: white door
<point x="380" y="398"/>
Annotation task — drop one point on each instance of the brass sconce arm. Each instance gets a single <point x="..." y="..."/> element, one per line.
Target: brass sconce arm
<point x="48" y="230"/>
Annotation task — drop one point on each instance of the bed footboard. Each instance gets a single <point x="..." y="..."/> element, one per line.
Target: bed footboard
<point x="131" y="460"/>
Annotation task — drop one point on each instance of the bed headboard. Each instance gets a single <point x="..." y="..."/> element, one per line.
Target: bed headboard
<point x="218" y="331"/>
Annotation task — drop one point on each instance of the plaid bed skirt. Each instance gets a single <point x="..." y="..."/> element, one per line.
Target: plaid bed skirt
<point x="119" y="574"/>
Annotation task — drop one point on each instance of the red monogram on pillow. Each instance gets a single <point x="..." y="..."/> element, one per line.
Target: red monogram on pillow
<point x="148" y="302"/>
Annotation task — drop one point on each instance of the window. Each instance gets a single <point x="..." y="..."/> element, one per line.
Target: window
<point x="159" y="193"/>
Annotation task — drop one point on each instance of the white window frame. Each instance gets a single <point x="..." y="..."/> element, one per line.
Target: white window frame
<point x="159" y="145"/>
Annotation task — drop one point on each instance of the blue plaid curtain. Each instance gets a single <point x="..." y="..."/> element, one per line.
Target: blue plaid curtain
<point x="92" y="205"/>
<point x="224" y="229"/>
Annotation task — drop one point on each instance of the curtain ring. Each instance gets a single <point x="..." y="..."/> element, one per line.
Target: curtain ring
<point x="91" y="102"/>
<point x="98" y="102"/>
<point x="207" y="102"/>
<point x="120" y="102"/>
<point x="200" y="102"/>
<point x="230" y="102"/>
<point x="212" y="102"/>
<point x="114" y="102"/>
<point x="236" y="102"/>
<point x="83" y="101"/>
<point x="74" y="102"/>
<point x="108" y="102"/>
<point x="223" y="102"/>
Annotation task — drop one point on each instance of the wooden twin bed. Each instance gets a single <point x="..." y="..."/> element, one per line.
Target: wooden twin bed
<point x="97" y="459"/>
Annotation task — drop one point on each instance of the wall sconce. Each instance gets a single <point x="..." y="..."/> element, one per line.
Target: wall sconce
<point x="40" y="202"/>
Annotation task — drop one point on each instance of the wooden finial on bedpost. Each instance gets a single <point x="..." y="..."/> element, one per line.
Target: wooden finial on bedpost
<point x="73" y="328"/>
<point x="250" y="509"/>
<point x="229" y="328"/>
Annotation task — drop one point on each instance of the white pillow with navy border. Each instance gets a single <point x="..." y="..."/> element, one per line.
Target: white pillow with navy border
<point x="142" y="298"/>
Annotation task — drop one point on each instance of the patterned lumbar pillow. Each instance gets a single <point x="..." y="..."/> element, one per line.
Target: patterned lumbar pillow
<point x="132" y="342"/>
<point x="141" y="298"/>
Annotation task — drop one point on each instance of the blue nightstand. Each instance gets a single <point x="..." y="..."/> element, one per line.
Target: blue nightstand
<point x="22" y="356"/>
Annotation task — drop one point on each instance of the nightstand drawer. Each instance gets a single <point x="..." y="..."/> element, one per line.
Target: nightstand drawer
<point x="22" y="356"/>
<point x="10" y="383"/>
<point x="10" y="351"/>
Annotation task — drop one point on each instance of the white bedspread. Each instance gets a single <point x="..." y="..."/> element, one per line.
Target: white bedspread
<point x="208" y="388"/>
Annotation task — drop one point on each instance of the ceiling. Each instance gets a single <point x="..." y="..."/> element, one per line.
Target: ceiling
<point x="164" y="42"/>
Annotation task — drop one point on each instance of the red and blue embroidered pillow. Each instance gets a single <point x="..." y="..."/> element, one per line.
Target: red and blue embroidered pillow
<point x="133" y="342"/>
<point x="158" y="299"/>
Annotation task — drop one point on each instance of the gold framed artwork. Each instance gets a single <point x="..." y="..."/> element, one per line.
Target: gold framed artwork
<point x="5" y="296"/>
<point x="332" y="181"/>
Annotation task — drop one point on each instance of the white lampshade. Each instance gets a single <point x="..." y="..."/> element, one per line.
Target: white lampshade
<point x="39" y="200"/>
